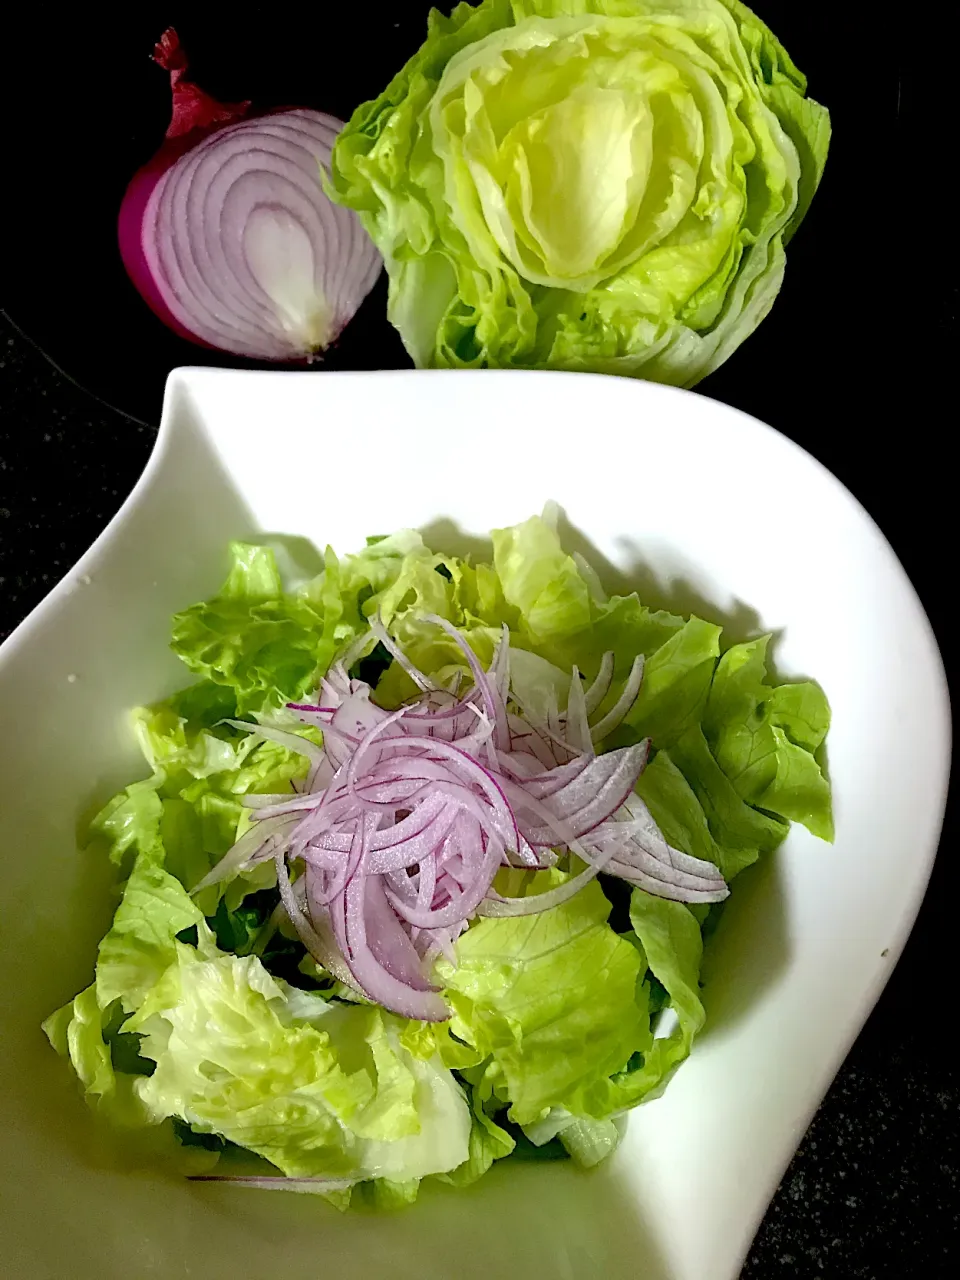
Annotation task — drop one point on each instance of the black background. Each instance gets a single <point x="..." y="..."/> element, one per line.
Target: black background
<point x="855" y="363"/>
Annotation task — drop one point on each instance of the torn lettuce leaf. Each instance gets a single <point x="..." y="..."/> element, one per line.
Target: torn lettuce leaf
<point x="141" y="943"/>
<point x="265" y="645"/>
<point x="765" y="738"/>
<point x="551" y="998"/>
<point x="317" y="1089"/>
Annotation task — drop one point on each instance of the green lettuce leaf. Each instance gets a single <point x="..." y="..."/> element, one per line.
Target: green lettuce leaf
<point x="131" y="821"/>
<point x="585" y="1140"/>
<point x="590" y="1141"/>
<point x="141" y="943"/>
<point x="622" y="626"/>
<point x="401" y="580"/>
<point x="189" y="812"/>
<point x="93" y="1030"/>
<point x="550" y="997"/>
<point x="764" y="738"/>
<point x="315" y="1088"/>
<point x="540" y="580"/>
<point x="676" y="680"/>
<point x="77" y="1032"/>
<point x="742" y="833"/>
<point x="388" y="1194"/>
<point x="783" y="85"/>
<point x="728" y="786"/>
<point x="488" y="1142"/>
<point x="267" y="646"/>
<point x="168" y="742"/>
<point x="669" y="936"/>
<point x="677" y="811"/>
<point x="396" y="577"/>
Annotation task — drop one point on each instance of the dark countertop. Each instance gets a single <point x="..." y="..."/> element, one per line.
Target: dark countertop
<point x="872" y="1193"/>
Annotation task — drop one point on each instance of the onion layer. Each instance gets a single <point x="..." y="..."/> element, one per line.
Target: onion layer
<point x="229" y="236"/>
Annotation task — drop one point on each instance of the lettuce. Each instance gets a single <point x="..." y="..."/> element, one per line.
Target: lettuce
<point x="226" y="1049"/>
<point x="540" y="581"/>
<point x="188" y="813"/>
<point x="677" y="811"/>
<point x="550" y="998"/>
<point x="676" y="681"/>
<point x="488" y="1142"/>
<point x="670" y="937"/>
<point x="668" y="941"/>
<point x="316" y="1089"/>
<point x="742" y="832"/>
<point x="77" y="1032"/>
<point x="560" y="1007"/>
<point x="140" y="945"/>
<point x="590" y="1141"/>
<point x="765" y="739"/>
<point x="135" y="954"/>
<point x="604" y="185"/>
<point x="622" y="626"/>
<point x="263" y="645"/>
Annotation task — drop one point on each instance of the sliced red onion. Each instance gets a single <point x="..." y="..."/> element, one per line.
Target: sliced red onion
<point x="319" y="942"/>
<point x="376" y="980"/>
<point x="292" y="741"/>
<point x="495" y="707"/>
<point x="549" y="782"/>
<point x="578" y="729"/>
<point x="538" y="902"/>
<point x="621" y="707"/>
<point x="255" y="845"/>
<point x="275" y="806"/>
<point x="601" y="685"/>
<point x="639" y="816"/>
<point x="229" y="235"/>
<point x="466" y="902"/>
<point x="308" y="1186"/>
<point x="409" y="814"/>
<point x="664" y="888"/>
<point x="530" y="746"/>
<point x="596" y="793"/>
<point x="264" y="801"/>
<point x="553" y="747"/>
<point x="351" y="655"/>
<point x="383" y="635"/>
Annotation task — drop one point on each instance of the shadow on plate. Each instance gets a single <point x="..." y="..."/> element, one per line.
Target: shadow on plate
<point x="750" y="949"/>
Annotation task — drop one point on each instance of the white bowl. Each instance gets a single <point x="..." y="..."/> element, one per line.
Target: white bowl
<point x="696" y="504"/>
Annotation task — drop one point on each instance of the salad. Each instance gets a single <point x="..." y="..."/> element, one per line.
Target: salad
<point x="422" y="870"/>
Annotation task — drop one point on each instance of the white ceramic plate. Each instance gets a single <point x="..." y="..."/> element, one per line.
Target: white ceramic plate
<point x="696" y="504"/>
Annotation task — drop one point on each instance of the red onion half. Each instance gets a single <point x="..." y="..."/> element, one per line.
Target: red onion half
<point x="229" y="236"/>
<point x="407" y="816"/>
